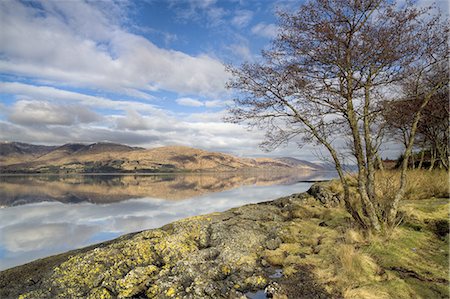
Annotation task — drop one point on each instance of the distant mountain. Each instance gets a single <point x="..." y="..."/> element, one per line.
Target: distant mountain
<point x="111" y="157"/>
<point x="17" y="152"/>
<point x="293" y="162"/>
<point x="19" y="148"/>
<point x="102" y="147"/>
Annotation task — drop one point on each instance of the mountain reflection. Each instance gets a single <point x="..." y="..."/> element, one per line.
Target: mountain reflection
<point x="47" y="215"/>
<point x="103" y="189"/>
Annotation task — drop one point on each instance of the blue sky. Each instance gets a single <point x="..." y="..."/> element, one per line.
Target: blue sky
<point x="147" y="73"/>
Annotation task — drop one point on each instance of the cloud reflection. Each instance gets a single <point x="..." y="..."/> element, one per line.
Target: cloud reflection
<point x="40" y="229"/>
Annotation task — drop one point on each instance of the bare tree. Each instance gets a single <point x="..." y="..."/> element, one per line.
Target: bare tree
<point x="332" y="65"/>
<point x="432" y="129"/>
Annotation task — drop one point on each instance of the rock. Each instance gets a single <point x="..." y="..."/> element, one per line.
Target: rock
<point x="272" y="290"/>
<point x="439" y="226"/>
<point x="323" y="194"/>
<point x="135" y="281"/>
<point x="323" y="223"/>
<point x="273" y="243"/>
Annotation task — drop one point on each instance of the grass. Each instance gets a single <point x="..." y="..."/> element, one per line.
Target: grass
<point x="421" y="184"/>
<point x="412" y="263"/>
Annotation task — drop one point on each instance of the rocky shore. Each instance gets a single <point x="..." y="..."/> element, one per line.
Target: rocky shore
<point x="220" y="255"/>
<point x="300" y="246"/>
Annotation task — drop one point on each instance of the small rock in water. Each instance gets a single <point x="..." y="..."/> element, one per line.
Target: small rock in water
<point x="272" y="289"/>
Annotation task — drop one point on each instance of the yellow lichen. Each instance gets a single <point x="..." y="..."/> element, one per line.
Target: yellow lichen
<point x="152" y="291"/>
<point x="170" y="292"/>
<point x="226" y="270"/>
<point x="255" y="281"/>
<point x="99" y="293"/>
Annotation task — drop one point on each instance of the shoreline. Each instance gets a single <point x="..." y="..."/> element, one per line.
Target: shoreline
<point x="300" y="246"/>
<point x="183" y="241"/>
<point x="249" y="171"/>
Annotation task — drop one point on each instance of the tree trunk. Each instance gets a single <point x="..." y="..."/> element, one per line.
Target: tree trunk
<point x="350" y="209"/>
<point x="432" y="158"/>
<point x="368" y="142"/>
<point x="443" y="156"/>
<point x="380" y="163"/>
<point x="392" y="213"/>
<point x="362" y="178"/>
<point x="422" y="156"/>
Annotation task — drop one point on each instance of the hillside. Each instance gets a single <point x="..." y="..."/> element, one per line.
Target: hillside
<point x="110" y="157"/>
<point x="17" y="152"/>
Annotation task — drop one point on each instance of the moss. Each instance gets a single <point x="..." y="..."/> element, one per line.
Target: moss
<point x="127" y="266"/>
<point x="152" y="291"/>
<point x="99" y="293"/>
<point x="226" y="270"/>
<point x="256" y="282"/>
<point x="274" y="257"/>
<point x="135" y="281"/>
<point x="415" y="260"/>
<point x="170" y="292"/>
<point x="247" y="260"/>
<point x="289" y="270"/>
<point x="420" y="252"/>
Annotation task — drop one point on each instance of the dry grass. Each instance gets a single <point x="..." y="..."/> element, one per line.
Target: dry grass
<point x="354" y="267"/>
<point x="411" y="263"/>
<point x="421" y="184"/>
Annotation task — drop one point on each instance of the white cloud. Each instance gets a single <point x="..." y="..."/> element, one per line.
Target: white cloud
<point x="242" y="18"/>
<point x="189" y="102"/>
<point x="217" y="103"/>
<point x="92" y="51"/>
<point x="205" y="12"/>
<point x="36" y="113"/>
<point x="49" y="93"/>
<point x="265" y="30"/>
<point x="208" y="104"/>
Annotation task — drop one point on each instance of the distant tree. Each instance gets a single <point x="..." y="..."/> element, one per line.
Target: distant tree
<point x="332" y="65"/>
<point x="432" y="129"/>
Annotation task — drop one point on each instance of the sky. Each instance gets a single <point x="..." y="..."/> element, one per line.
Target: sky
<point x="144" y="73"/>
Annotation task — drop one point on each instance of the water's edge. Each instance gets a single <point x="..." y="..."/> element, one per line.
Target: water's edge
<point x="235" y="233"/>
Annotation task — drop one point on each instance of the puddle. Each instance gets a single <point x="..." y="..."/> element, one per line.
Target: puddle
<point x="278" y="274"/>
<point x="256" y="295"/>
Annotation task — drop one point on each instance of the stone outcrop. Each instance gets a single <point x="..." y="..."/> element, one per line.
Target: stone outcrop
<point x="323" y="194"/>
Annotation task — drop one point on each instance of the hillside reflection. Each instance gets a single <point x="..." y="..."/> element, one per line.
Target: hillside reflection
<point x="103" y="189"/>
<point x="45" y="215"/>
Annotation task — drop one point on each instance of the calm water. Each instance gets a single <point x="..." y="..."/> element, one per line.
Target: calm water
<point x="45" y="215"/>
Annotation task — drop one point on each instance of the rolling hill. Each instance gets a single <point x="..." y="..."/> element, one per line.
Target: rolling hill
<point x="111" y="157"/>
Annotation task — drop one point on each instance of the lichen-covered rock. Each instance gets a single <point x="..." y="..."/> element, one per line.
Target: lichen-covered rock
<point x="135" y="281"/>
<point x="323" y="194"/>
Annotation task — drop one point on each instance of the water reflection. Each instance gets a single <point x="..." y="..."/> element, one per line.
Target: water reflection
<point x="36" y="219"/>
